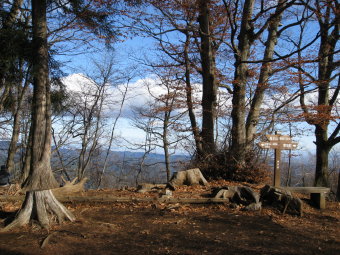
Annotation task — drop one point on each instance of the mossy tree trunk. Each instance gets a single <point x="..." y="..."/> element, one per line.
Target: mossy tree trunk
<point x="40" y="201"/>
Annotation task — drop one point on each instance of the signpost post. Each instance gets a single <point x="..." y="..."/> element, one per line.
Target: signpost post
<point x="278" y="142"/>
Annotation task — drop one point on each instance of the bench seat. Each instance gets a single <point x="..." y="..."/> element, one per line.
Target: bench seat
<point x="317" y="194"/>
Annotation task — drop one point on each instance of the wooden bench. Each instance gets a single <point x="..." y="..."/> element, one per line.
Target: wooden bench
<point x="317" y="194"/>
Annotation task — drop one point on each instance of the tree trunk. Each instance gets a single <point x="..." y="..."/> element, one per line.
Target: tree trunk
<point x="166" y="145"/>
<point x="39" y="198"/>
<point x="8" y="22"/>
<point x="322" y="151"/>
<point x="27" y="158"/>
<point x="37" y="203"/>
<point x="262" y="84"/>
<point x="338" y="189"/>
<point x="14" y="140"/>
<point x="326" y="66"/>
<point x="16" y="124"/>
<point x="188" y="89"/>
<point x="238" y="131"/>
<point x="209" y="96"/>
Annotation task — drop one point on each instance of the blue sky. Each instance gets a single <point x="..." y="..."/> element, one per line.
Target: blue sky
<point x="127" y="54"/>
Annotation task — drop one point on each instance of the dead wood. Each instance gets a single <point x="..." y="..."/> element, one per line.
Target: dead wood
<point x="240" y="195"/>
<point x="111" y="199"/>
<point x="281" y="199"/>
<point x="188" y="177"/>
<point x="70" y="187"/>
<point x="149" y="187"/>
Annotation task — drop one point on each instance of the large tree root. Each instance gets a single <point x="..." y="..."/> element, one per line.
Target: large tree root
<point x="38" y="205"/>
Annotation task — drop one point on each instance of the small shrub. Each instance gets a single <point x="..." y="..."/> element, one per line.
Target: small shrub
<point x="222" y="166"/>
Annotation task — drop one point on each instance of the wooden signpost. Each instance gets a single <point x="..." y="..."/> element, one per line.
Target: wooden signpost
<point x="278" y="142"/>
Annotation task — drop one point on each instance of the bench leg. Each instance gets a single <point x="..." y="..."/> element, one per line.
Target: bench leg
<point x="319" y="199"/>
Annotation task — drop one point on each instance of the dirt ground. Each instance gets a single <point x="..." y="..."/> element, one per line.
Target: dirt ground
<point x="160" y="228"/>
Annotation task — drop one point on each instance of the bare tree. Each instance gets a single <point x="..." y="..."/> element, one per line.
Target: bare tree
<point x="201" y="24"/>
<point x="161" y="117"/>
<point x="254" y="21"/>
<point x="327" y="83"/>
<point x="123" y="92"/>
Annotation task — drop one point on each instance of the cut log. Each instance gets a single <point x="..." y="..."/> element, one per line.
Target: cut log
<point x="282" y="199"/>
<point x="240" y="195"/>
<point x="148" y="187"/>
<point x="188" y="177"/>
<point x="70" y="187"/>
<point x="112" y="199"/>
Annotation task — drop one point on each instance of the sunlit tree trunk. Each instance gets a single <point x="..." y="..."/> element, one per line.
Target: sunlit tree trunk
<point x="39" y="199"/>
<point x="265" y="73"/>
<point x="238" y="132"/>
<point x="189" y="100"/>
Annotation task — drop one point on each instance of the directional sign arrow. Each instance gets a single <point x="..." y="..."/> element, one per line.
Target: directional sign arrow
<point x="278" y="145"/>
<point x="278" y="142"/>
<point x="284" y="138"/>
<point x="289" y="146"/>
<point x="268" y="145"/>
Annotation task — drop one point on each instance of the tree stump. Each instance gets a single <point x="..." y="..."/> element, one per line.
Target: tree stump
<point x="188" y="177"/>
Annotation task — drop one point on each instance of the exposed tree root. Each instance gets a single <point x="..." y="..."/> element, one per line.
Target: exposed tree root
<point x="46" y="241"/>
<point x="38" y="205"/>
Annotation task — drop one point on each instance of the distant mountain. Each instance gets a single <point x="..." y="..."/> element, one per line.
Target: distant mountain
<point x="4" y="145"/>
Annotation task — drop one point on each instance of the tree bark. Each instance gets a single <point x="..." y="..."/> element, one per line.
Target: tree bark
<point x="14" y="140"/>
<point x="27" y="157"/>
<point x="329" y="36"/>
<point x="265" y="72"/>
<point x="8" y="22"/>
<point x="188" y="90"/>
<point x="39" y="198"/>
<point x="16" y="124"/>
<point x="166" y="144"/>
<point x="41" y="201"/>
<point x="209" y="97"/>
<point x="238" y="132"/>
<point x="322" y="152"/>
<point x="338" y="189"/>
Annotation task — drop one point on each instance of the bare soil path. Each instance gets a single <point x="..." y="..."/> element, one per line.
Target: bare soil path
<point x="157" y="228"/>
